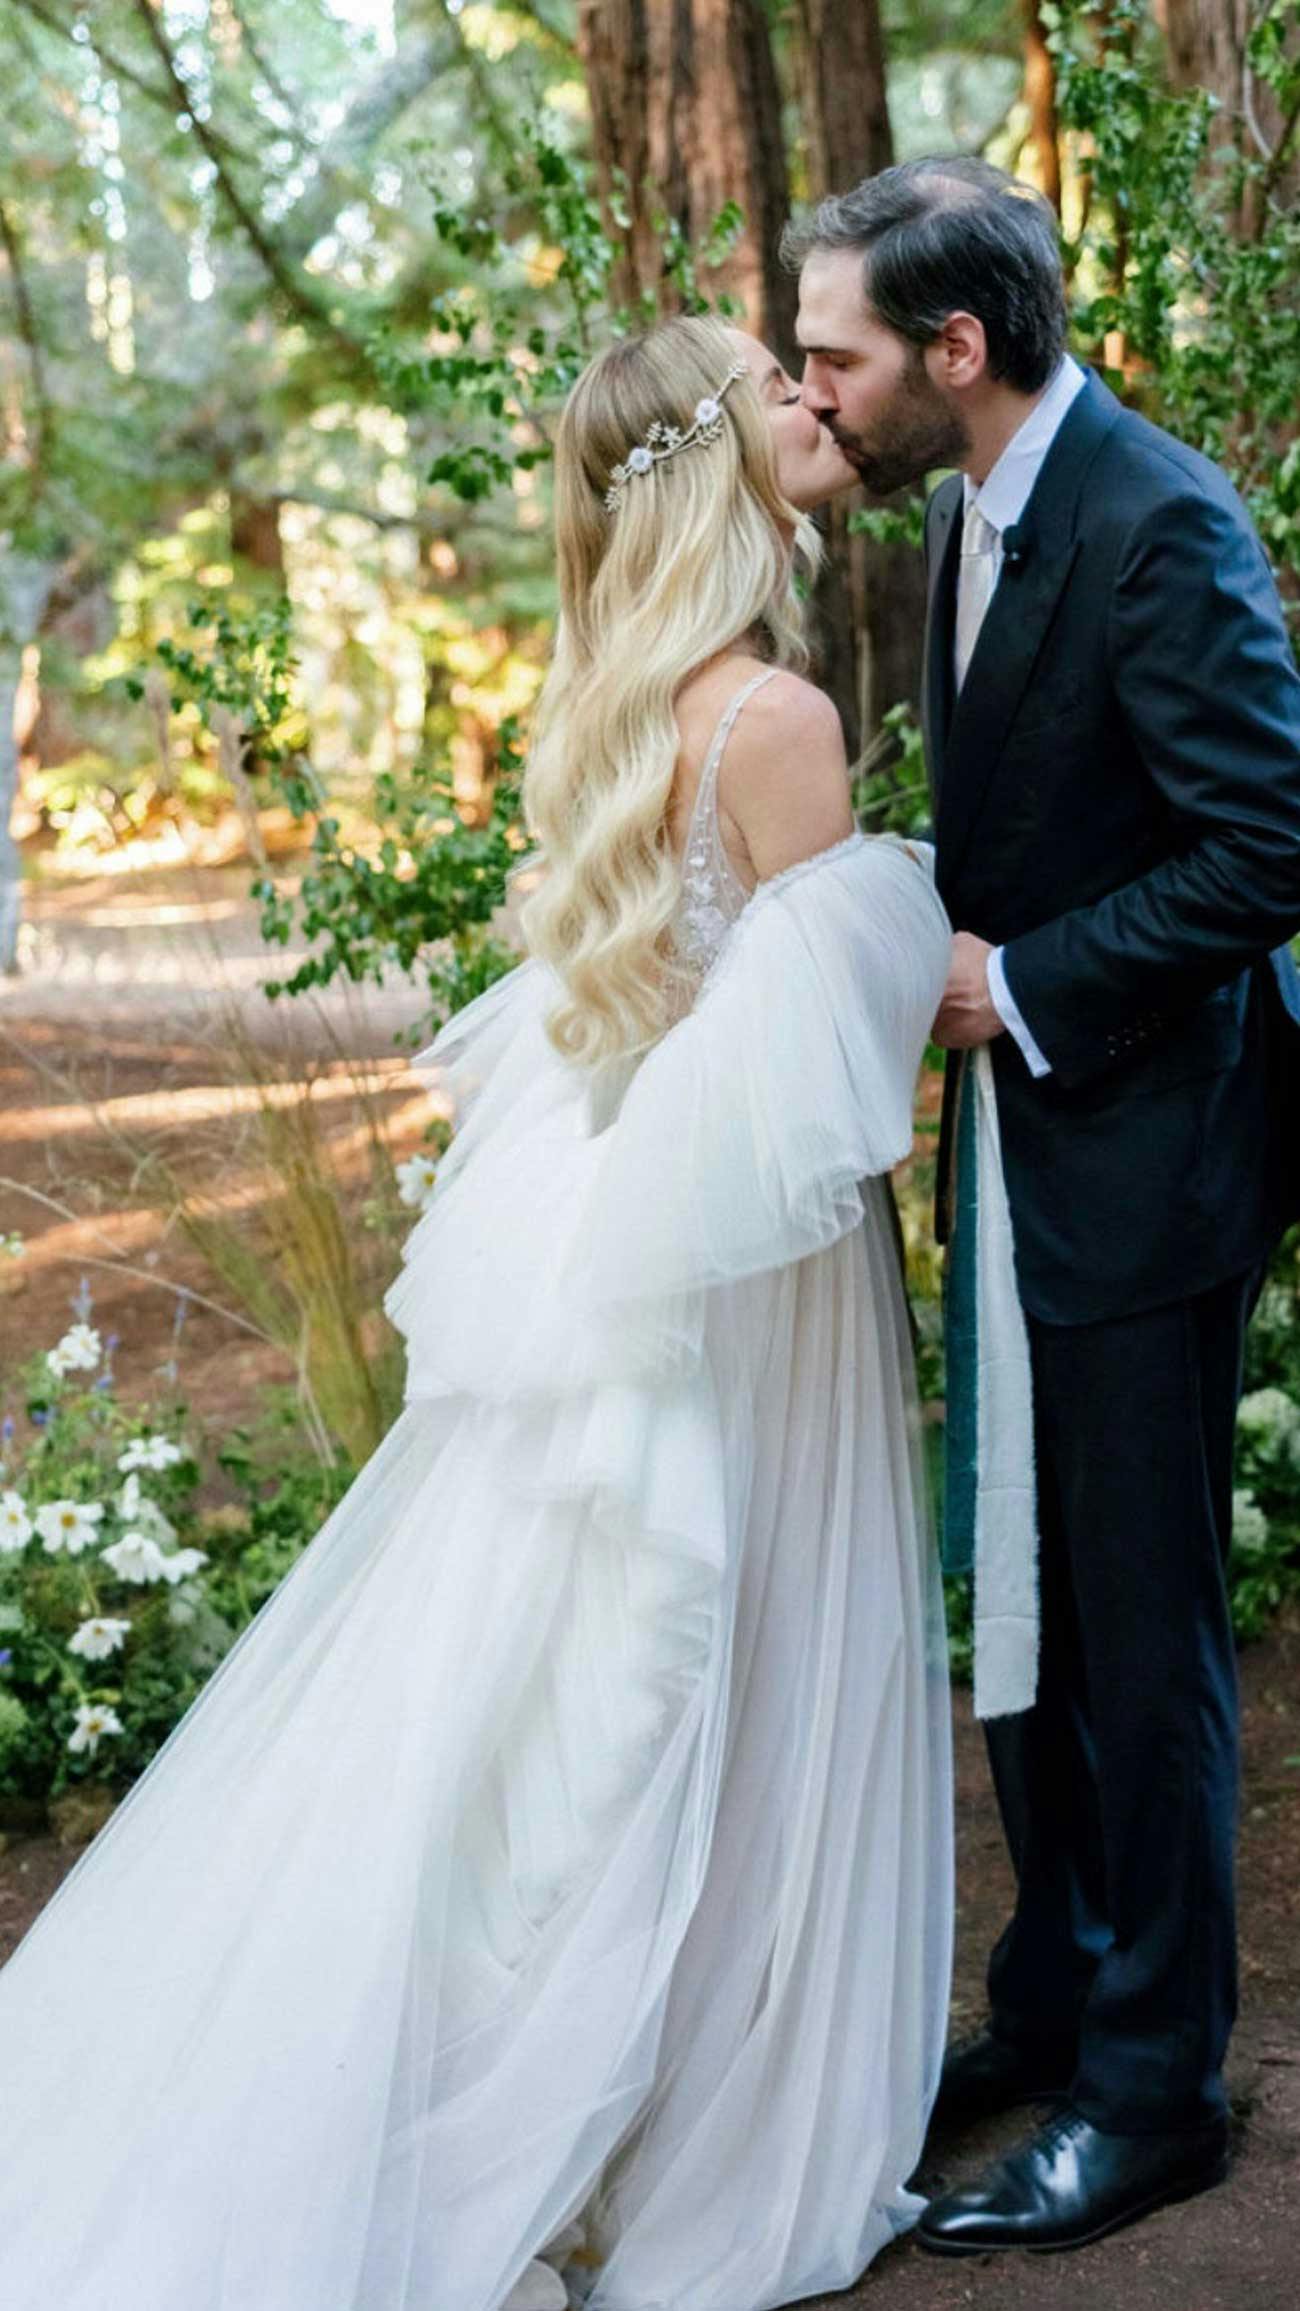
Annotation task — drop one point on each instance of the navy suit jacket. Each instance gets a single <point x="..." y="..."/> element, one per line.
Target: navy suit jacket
<point x="1117" y="803"/>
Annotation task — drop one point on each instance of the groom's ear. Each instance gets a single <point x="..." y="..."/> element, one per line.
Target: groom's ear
<point x="958" y="357"/>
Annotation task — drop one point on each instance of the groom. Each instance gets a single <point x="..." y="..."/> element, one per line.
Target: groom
<point x="1113" y="730"/>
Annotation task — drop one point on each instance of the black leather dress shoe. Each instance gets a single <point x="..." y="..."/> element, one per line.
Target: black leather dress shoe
<point x="1069" y="2184"/>
<point x="983" y="2074"/>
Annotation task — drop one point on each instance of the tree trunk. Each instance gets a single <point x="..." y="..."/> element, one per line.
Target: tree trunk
<point x="1040" y="101"/>
<point x="686" y="116"/>
<point x="873" y="597"/>
<point x="843" y="97"/>
<point x="25" y="587"/>
<point x="1207" y="49"/>
<point x="255" y="532"/>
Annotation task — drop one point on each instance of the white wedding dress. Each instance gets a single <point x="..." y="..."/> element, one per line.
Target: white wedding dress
<point x="568" y="1839"/>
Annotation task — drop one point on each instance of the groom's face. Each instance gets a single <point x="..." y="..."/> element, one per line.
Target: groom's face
<point x="868" y="386"/>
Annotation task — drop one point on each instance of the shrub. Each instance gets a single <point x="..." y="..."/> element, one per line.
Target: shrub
<point x="119" y="1591"/>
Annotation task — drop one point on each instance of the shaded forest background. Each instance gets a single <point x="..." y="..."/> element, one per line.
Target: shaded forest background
<point x="289" y="296"/>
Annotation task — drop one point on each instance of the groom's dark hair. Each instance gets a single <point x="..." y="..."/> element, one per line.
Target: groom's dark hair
<point x="951" y="234"/>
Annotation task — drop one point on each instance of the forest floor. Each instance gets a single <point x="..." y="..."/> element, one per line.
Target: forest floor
<point x="119" y="995"/>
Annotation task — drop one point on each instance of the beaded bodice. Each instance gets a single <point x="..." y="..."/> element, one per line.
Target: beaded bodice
<point x="713" y="894"/>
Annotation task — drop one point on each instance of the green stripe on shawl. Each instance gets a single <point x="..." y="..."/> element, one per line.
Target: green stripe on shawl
<point x="961" y="1345"/>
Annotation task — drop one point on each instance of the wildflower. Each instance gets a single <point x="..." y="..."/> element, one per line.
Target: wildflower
<point x="137" y="1509"/>
<point x="136" y="1557"/>
<point x="68" y="1525"/>
<point x="1270" y="1417"/>
<point x="182" y="1563"/>
<point x="11" y="1245"/>
<point x="416" y="1179"/>
<point x="15" y="1524"/>
<point x="150" y="1452"/>
<point x="94" y="1720"/>
<point x="98" y="1637"/>
<point x="78" y="1351"/>
<point x="1249" y="1523"/>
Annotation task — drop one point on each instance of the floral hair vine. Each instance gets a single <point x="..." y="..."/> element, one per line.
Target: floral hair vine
<point x="665" y="440"/>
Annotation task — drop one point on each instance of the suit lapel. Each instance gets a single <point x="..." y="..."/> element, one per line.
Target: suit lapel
<point x="1016" y="624"/>
<point x="943" y="554"/>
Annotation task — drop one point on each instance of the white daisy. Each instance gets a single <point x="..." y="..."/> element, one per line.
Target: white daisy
<point x="136" y="1557"/>
<point x="15" y="1524"/>
<point x="1249" y="1523"/>
<point x="78" y="1351"/>
<point x="98" y="1637"/>
<point x="415" y="1180"/>
<point x="94" y="1720"/>
<point x="68" y="1525"/>
<point x="182" y="1563"/>
<point x="150" y="1452"/>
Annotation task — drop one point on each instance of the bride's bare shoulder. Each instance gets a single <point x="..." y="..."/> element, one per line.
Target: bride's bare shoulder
<point x="784" y="777"/>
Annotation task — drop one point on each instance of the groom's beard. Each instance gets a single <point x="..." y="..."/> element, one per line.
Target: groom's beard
<point x="913" y="434"/>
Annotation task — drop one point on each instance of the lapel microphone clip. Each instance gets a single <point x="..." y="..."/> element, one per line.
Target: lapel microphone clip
<point x="1015" y="546"/>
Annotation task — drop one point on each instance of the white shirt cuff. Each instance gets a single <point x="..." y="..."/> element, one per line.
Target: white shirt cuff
<point x="1004" y="1003"/>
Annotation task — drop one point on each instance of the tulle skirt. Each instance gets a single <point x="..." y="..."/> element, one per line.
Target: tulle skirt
<point x="568" y="1839"/>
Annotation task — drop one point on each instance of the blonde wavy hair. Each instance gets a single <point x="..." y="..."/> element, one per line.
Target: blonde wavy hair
<point x="695" y="559"/>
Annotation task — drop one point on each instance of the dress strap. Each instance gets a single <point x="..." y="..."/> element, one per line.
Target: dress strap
<point x="723" y="731"/>
<point x="714" y="891"/>
<point x="717" y="744"/>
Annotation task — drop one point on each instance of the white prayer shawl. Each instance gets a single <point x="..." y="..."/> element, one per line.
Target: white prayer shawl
<point x="1006" y="1508"/>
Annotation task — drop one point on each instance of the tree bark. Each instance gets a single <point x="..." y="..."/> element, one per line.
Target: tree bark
<point x="255" y="533"/>
<point x="1207" y="42"/>
<point x="873" y="597"/>
<point x="686" y="116"/>
<point x="1040" y="101"/>
<point x="1207" y="49"/>
<point x="26" y="584"/>
<point x="843" y="94"/>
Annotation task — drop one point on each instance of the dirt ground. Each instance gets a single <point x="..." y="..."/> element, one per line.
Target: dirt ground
<point x="120" y="992"/>
<point x="1233" y="2249"/>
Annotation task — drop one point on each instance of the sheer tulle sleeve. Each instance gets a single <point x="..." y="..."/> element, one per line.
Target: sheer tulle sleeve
<point x="739" y="1145"/>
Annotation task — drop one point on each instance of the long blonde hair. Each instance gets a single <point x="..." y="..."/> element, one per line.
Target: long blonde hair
<point x="695" y="558"/>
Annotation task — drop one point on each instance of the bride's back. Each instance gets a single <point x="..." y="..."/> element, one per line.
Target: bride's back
<point x="778" y="787"/>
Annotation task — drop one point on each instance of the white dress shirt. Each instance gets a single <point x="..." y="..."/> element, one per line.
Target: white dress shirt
<point x="1002" y="498"/>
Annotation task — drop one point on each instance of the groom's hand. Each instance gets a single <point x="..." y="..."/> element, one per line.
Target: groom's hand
<point x="966" y="1016"/>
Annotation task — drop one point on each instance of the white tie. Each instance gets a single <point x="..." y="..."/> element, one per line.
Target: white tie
<point x="976" y="579"/>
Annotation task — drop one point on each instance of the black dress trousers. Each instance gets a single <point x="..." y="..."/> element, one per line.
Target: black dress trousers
<point x="1118" y="1789"/>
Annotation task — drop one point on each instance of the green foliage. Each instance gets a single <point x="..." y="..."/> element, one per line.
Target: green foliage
<point x="891" y="790"/>
<point x="1264" y="1569"/>
<point x="433" y="883"/>
<point x="248" y="668"/>
<point x="1187" y="249"/>
<point x="504" y="359"/>
<point x="209" y="1570"/>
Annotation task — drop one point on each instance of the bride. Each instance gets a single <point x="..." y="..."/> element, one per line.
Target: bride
<point x="548" y="1899"/>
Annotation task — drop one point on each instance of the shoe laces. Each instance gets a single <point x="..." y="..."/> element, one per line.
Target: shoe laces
<point x="1063" y="2127"/>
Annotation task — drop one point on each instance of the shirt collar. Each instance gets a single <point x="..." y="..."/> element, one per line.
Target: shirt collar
<point x="1004" y="494"/>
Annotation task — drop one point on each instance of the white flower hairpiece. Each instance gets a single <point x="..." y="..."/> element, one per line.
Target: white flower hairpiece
<point x="665" y="440"/>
